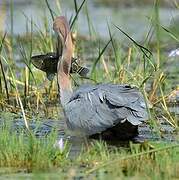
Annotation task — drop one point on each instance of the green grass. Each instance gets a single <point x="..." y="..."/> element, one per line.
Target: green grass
<point x="23" y="152"/>
<point x="23" y="94"/>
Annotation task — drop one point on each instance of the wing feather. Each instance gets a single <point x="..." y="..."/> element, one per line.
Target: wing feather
<point x="93" y="109"/>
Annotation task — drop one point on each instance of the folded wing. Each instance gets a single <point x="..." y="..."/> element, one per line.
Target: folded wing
<point x="93" y="109"/>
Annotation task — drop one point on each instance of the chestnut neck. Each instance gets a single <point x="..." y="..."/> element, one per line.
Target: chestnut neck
<point x="63" y="70"/>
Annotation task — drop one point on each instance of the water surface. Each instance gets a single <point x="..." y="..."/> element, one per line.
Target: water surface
<point x="134" y="20"/>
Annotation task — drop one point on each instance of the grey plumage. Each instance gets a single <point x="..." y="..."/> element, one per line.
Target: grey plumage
<point x="93" y="109"/>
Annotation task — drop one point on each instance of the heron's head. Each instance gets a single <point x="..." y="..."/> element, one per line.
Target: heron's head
<point x="61" y="26"/>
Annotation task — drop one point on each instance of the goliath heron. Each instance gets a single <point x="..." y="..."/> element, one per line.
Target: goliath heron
<point x="104" y="110"/>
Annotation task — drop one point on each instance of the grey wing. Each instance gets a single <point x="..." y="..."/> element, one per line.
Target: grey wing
<point x="130" y="98"/>
<point x="102" y="107"/>
<point x="85" y="114"/>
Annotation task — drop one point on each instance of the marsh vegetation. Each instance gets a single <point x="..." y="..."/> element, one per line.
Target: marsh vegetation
<point x="31" y="119"/>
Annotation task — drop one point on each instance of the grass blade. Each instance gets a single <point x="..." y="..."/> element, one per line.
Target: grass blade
<point x="99" y="56"/>
<point x="170" y="33"/>
<point x="76" y="16"/>
<point x="145" y="51"/>
<point x="76" y="6"/>
<point x="2" y="69"/>
<point x="50" y="10"/>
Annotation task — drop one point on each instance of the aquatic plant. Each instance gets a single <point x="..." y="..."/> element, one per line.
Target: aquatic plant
<point x="24" y="95"/>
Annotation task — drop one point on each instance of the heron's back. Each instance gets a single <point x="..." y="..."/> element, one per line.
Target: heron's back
<point x="94" y="109"/>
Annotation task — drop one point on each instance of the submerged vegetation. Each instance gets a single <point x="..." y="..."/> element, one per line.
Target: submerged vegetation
<point x="25" y="94"/>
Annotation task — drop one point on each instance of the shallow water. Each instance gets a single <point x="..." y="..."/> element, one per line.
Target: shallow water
<point x="44" y="127"/>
